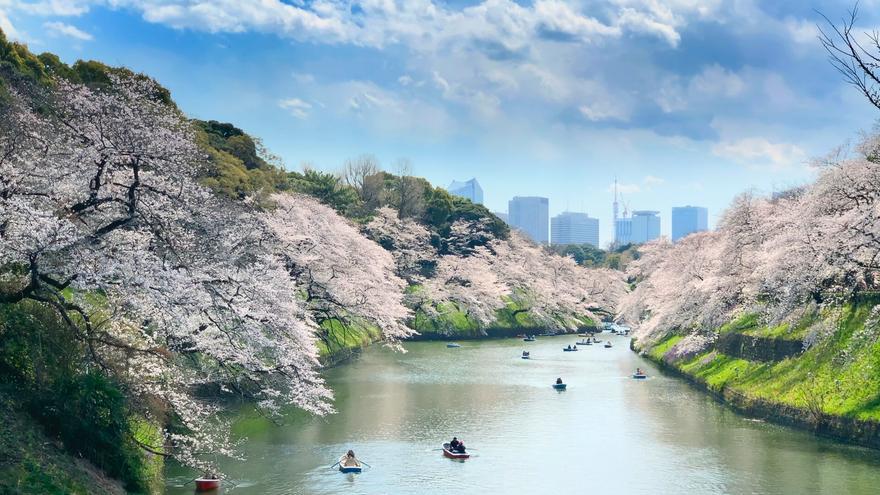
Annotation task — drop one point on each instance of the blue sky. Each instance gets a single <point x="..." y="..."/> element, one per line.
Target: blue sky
<point x="685" y="101"/>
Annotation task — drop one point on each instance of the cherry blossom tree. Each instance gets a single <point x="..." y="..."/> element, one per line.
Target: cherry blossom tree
<point x="776" y="257"/>
<point x="408" y="241"/>
<point x="102" y="218"/>
<point x="344" y="275"/>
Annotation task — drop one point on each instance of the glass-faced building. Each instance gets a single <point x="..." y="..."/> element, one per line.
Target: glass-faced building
<point x="469" y="189"/>
<point x="571" y="227"/>
<point x="530" y="214"/>
<point x="687" y="220"/>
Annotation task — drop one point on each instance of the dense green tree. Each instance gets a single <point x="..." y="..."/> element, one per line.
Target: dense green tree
<point x="326" y="187"/>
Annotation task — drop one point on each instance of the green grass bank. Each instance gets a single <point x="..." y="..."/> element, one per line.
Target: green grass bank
<point x="831" y="385"/>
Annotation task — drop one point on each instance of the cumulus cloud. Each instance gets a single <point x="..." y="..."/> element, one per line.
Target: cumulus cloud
<point x="758" y="151"/>
<point x="62" y="29"/>
<point x="594" y="64"/>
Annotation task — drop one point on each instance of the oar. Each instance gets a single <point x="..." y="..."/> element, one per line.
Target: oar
<point x="335" y="464"/>
<point x="365" y="464"/>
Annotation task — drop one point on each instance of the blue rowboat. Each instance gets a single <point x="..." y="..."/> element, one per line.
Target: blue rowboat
<point x="352" y="465"/>
<point x="559" y="386"/>
<point x="453" y="345"/>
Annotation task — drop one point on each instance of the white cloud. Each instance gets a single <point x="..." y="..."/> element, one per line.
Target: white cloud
<point x="802" y="31"/>
<point x="596" y="113"/>
<point x="62" y="29"/>
<point x="643" y="22"/>
<point x="651" y="180"/>
<point x="758" y="151"/>
<point x="55" y="7"/>
<point x="297" y="107"/>
<point x="624" y="188"/>
<point x="717" y="81"/>
<point x="8" y="28"/>
<point x="559" y="18"/>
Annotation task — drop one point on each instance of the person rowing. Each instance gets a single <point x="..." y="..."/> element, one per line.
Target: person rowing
<point x="456" y="446"/>
<point x="349" y="459"/>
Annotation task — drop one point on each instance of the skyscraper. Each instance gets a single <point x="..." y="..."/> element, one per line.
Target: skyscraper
<point x="687" y="220"/>
<point x="469" y="189"/>
<point x="623" y="228"/>
<point x="645" y="226"/>
<point x="574" y="228"/>
<point x="530" y="214"/>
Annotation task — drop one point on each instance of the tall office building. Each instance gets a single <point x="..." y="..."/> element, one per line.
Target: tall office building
<point x="469" y="189"/>
<point x="687" y="220"/>
<point x="574" y="228"/>
<point x="645" y="226"/>
<point x="623" y="228"/>
<point x="530" y="214"/>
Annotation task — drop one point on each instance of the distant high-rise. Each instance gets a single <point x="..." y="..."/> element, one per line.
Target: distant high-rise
<point x="623" y="228"/>
<point x="645" y="226"/>
<point x="687" y="220"/>
<point x="530" y="214"/>
<point x="574" y="228"/>
<point x="468" y="189"/>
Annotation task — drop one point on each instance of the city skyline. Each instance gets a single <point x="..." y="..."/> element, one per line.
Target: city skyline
<point x="666" y="222"/>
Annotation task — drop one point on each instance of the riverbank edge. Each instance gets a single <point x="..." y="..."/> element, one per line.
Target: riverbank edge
<point x="849" y="430"/>
<point x="344" y="355"/>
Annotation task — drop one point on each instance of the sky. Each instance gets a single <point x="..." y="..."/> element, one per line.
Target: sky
<point x="684" y="101"/>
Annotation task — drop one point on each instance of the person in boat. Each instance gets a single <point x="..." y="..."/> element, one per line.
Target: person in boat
<point x="569" y="347"/>
<point x="454" y="444"/>
<point x="559" y="381"/>
<point x="350" y="459"/>
<point x="461" y="449"/>
<point x="639" y="371"/>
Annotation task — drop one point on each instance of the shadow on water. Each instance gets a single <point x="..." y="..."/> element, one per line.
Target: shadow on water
<point x="607" y="433"/>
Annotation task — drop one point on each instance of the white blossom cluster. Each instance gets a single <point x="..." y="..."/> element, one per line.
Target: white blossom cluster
<point x="552" y="289"/>
<point x="171" y="288"/>
<point x="814" y="245"/>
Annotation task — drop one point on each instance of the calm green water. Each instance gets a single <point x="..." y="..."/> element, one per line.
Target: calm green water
<point x="607" y="433"/>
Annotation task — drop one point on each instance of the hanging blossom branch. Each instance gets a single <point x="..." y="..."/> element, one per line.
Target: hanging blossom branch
<point x="101" y="214"/>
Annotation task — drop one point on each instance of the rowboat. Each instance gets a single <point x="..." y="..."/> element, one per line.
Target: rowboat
<point x="206" y="484"/>
<point x="529" y="339"/>
<point x="454" y="455"/>
<point x="639" y="376"/>
<point x="349" y="465"/>
<point x="584" y="342"/>
<point x="569" y="349"/>
<point x="453" y="345"/>
<point x="559" y="386"/>
<point x="608" y="345"/>
<point x="525" y="355"/>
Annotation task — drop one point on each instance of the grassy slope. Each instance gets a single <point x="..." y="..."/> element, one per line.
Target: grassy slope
<point x="32" y="463"/>
<point x="840" y="376"/>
